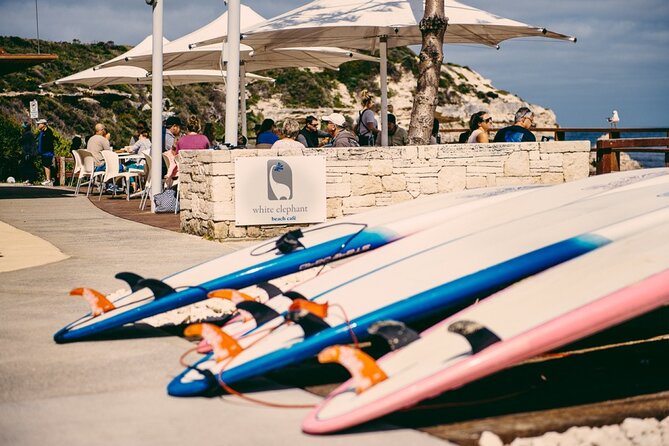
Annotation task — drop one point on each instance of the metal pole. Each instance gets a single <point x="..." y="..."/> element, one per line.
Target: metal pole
<point x="157" y="103"/>
<point x="232" y="83"/>
<point x="37" y="21"/>
<point x="242" y="97"/>
<point x="383" y="53"/>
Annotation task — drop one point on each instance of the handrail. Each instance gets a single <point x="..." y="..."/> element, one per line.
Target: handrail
<point x="559" y="132"/>
<point x="608" y="151"/>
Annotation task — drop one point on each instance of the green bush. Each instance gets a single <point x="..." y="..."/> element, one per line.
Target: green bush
<point x="10" y="147"/>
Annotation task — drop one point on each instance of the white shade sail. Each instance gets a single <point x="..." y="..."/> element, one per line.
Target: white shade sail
<point x="359" y="23"/>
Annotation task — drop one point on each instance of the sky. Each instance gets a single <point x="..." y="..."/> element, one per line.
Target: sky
<point x="621" y="59"/>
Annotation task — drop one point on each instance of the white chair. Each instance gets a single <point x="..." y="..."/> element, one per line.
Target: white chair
<point x="111" y="172"/>
<point x="87" y="170"/>
<point x="77" y="168"/>
<point x="146" y="193"/>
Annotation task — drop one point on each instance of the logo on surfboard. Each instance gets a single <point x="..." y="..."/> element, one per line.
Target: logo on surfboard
<point x="279" y="180"/>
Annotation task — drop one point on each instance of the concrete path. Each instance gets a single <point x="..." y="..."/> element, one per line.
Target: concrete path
<point x="113" y="391"/>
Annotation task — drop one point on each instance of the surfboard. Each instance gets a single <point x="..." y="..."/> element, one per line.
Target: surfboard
<point x="445" y="275"/>
<point x="464" y="223"/>
<point x="598" y="290"/>
<point x="315" y="246"/>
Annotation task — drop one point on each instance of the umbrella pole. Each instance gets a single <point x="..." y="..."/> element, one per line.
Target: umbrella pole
<point x="157" y="103"/>
<point x="383" y="53"/>
<point x="242" y="96"/>
<point x="232" y="84"/>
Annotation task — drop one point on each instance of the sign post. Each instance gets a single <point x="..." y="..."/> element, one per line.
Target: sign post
<point x="34" y="109"/>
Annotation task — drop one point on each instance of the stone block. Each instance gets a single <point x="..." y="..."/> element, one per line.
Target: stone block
<point x="476" y="182"/>
<point x="380" y="167"/>
<point x="220" y="189"/>
<point x="398" y="197"/>
<point x="409" y="152"/>
<point x="576" y="165"/>
<point x="337" y="190"/>
<point x="223" y="210"/>
<point x="518" y="181"/>
<point x="365" y="184"/>
<point x="428" y="152"/>
<point x="517" y="164"/>
<point x="429" y="186"/>
<point x="334" y="207"/>
<point x="394" y="183"/>
<point x="452" y="179"/>
<point x="564" y="146"/>
<point x="552" y="178"/>
<point x="359" y="201"/>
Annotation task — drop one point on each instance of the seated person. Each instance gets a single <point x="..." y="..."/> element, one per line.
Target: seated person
<point x="337" y="129"/>
<point x="310" y="133"/>
<point x="193" y="139"/>
<point x="289" y="132"/>
<point x="267" y="133"/>
<point x="397" y="136"/>
<point x="518" y="132"/>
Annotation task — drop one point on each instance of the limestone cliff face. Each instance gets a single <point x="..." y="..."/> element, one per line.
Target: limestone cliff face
<point x="463" y="92"/>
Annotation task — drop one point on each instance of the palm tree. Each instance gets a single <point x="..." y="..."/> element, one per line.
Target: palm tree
<point x="432" y="27"/>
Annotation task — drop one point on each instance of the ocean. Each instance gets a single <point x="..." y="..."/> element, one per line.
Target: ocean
<point x="645" y="159"/>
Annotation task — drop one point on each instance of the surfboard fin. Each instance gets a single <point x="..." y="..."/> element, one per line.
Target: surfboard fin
<point x="308" y="315"/>
<point x="98" y="302"/>
<point x="223" y="344"/>
<point x="131" y="279"/>
<point x="289" y="241"/>
<point x="158" y="287"/>
<point x="478" y="336"/>
<point x="294" y="295"/>
<point x="260" y="312"/>
<point x="270" y="289"/>
<point x="233" y="296"/>
<point x="395" y="333"/>
<point x="362" y="367"/>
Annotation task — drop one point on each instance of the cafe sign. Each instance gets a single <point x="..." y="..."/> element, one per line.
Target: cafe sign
<point x="279" y="190"/>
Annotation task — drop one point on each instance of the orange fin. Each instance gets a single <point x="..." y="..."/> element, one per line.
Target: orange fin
<point x="223" y="344"/>
<point x="320" y="310"/>
<point x="362" y="367"/>
<point x="232" y="295"/>
<point x="98" y="302"/>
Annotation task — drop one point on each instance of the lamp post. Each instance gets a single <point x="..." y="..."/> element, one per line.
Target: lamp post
<point x="156" y="100"/>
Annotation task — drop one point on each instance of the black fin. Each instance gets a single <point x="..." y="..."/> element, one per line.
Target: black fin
<point x="292" y="295"/>
<point x="476" y="334"/>
<point x="270" y="289"/>
<point x="260" y="312"/>
<point x="395" y="333"/>
<point x="159" y="288"/>
<point x="289" y="241"/>
<point x="131" y="279"/>
<point x="309" y="322"/>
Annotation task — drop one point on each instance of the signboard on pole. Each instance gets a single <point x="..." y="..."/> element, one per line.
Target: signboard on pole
<point x="34" y="110"/>
<point x="279" y="190"/>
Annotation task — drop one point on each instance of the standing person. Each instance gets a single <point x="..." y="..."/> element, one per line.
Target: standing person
<point x="193" y="139"/>
<point x="171" y="132"/>
<point x="45" y="147"/>
<point x="519" y="131"/>
<point x="397" y="136"/>
<point x="435" y="138"/>
<point x="29" y="154"/>
<point x="289" y="132"/>
<point x="267" y="132"/>
<point x="366" y="127"/>
<point x="479" y="125"/>
<point x="336" y="128"/>
<point x="310" y="133"/>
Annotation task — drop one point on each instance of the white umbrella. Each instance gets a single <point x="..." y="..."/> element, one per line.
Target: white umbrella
<point x="372" y="24"/>
<point x="138" y="76"/>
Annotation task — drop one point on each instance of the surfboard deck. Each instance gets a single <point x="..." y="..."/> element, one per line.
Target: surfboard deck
<point x="598" y="290"/>
<point x="420" y="282"/>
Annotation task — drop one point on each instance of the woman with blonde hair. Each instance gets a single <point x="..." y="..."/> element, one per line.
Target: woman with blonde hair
<point x="289" y="132"/>
<point x="367" y="127"/>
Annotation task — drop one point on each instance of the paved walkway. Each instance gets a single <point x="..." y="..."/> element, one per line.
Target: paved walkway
<point x="113" y="392"/>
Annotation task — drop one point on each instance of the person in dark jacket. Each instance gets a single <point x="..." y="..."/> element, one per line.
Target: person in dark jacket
<point x="311" y="132"/>
<point x="28" y="172"/>
<point x="340" y="136"/>
<point x="45" y="147"/>
<point x="519" y="131"/>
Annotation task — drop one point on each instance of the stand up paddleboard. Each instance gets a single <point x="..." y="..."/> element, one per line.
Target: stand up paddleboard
<point x="435" y="279"/>
<point x="571" y="301"/>
<point x="295" y="251"/>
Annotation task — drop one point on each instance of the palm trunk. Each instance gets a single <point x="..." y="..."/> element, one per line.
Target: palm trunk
<point x="432" y="27"/>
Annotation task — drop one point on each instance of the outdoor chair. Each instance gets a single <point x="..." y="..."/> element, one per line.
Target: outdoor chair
<point x="111" y="172"/>
<point x="146" y="192"/>
<point x="87" y="170"/>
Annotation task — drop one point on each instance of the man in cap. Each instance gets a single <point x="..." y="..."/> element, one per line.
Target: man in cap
<point x="519" y="131"/>
<point x="45" y="145"/>
<point x="336" y="128"/>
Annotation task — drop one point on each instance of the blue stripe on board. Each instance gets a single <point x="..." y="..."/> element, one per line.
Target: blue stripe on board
<point x="440" y="298"/>
<point x="271" y="269"/>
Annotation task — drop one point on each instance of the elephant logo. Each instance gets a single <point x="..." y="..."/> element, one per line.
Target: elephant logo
<point x="279" y="180"/>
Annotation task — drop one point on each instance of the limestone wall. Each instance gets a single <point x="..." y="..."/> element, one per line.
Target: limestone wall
<point x="361" y="178"/>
